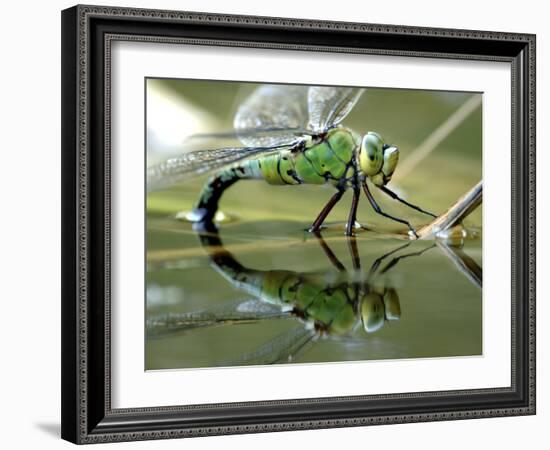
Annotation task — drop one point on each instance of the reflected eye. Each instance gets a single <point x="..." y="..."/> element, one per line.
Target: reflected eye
<point x="372" y="312"/>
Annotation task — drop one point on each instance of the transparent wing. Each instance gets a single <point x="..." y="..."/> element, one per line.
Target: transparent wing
<point x="328" y="106"/>
<point x="188" y="165"/>
<point x="278" y="133"/>
<point x="283" y="348"/>
<point x="278" y="113"/>
<point x="235" y="312"/>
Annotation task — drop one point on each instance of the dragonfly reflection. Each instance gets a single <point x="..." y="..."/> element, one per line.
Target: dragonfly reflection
<point x="332" y="304"/>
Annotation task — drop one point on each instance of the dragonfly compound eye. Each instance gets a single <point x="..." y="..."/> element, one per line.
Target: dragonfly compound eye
<point x="371" y="156"/>
<point x="390" y="159"/>
<point x="372" y="312"/>
<point x="392" y="307"/>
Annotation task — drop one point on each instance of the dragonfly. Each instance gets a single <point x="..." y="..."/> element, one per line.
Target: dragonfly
<point x="330" y="304"/>
<point x="292" y="135"/>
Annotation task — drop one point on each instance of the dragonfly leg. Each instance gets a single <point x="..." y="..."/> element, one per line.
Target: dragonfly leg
<point x="330" y="254"/>
<point x="352" y="244"/>
<point x="379" y="260"/>
<point x="395" y="260"/>
<point x="393" y="195"/>
<point x="382" y="213"/>
<point x="316" y="225"/>
<point x="352" y="212"/>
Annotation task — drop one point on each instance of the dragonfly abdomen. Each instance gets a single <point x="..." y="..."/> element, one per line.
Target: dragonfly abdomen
<point x="212" y="191"/>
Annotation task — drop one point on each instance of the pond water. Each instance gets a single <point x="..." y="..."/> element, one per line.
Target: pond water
<point x="263" y="292"/>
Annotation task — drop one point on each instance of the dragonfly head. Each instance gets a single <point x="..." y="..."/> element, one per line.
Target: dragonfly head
<point x="377" y="159"/>
<point x="372" y="312"/>
<point x="377" y="307"/>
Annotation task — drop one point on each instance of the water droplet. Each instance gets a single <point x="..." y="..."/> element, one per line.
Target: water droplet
<point x="456" y="236"/>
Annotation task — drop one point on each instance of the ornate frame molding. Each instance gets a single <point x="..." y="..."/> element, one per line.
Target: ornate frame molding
<point x="84" y="421"/>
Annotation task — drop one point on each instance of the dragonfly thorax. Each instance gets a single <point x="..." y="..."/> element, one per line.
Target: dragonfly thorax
<point x="377" y="159"/>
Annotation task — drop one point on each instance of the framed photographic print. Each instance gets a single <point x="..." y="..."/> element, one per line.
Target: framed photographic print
<point x="282" y="224"/>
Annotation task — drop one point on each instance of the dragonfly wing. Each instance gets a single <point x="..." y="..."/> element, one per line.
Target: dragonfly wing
<point x="190" y="164"/>
<point x="278" y="112"/>
<point x="235" y="312"/>
<point x="329" y="105"/>
<point x="257" y="134"/>
<point x="281" y="349"/>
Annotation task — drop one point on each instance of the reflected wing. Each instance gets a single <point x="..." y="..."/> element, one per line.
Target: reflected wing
<point x="283" y="348"/>
<point x="188" y="165"/>
<point x="328" y="106"/>
<point x="278" y="113"/>
<point x="236" y="312"/>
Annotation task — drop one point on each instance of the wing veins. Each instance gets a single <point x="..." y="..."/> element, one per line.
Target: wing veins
<point x="190" y="164"/>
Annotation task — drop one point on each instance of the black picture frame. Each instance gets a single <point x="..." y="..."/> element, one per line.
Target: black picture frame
<point x="87" y="32"/>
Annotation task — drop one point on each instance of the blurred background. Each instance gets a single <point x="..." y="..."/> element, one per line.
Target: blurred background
<point x="439" y="135"/>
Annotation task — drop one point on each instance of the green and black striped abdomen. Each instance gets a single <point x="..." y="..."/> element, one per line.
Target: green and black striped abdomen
<point x="326" y="161"/>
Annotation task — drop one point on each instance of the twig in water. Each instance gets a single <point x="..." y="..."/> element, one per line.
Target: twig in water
<point x="455" y="214"/>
